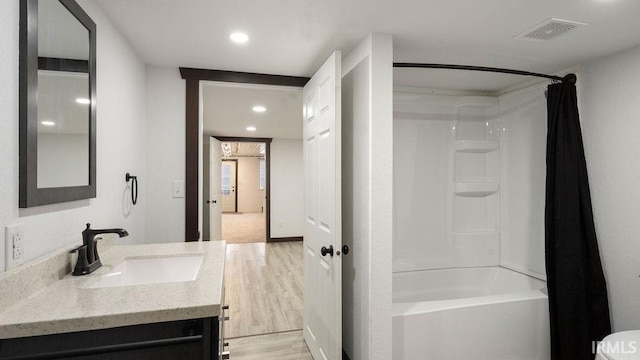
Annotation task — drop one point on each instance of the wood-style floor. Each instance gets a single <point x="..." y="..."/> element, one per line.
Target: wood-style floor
<point x="263" y="288"/>
<point x="279" y="346"/>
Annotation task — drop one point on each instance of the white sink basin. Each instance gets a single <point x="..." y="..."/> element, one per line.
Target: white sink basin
<point x="156" y="270"/>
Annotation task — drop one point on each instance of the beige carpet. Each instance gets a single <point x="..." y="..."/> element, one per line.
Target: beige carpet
<point x="243" y="227"/>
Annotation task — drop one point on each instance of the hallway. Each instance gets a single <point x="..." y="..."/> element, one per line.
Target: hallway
<point x="263" y="288"/>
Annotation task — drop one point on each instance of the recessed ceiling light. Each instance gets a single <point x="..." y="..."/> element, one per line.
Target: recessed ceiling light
<point x="259" y="108"/>
<point x="239" y="38"/>
<point x="47" y="123"/>
<point x="251" y="128"/>
<point x="83" y="101"/>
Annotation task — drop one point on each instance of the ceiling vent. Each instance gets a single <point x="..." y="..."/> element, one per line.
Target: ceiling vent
<point x="548" y="30"/>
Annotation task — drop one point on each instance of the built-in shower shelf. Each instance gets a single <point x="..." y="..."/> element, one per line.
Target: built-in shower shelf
<point x="476" y="146"/>
<point x="476" y="189"/>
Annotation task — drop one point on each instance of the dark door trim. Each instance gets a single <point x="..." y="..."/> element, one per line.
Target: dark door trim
<point x="192" y="153"/>
<point x="242" y="77"/>
<point x="267" y="180"/>
<point x="235" y="186"/>
<point x="192" y="115"/>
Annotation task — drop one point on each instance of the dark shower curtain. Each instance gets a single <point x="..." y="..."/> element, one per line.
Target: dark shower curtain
<point x="578" y="305"/>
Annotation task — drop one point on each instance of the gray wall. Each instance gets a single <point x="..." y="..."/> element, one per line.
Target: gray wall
<point x="610" y="114"/>
<point x="165" y="139"/>
<point x="287" y="188"/>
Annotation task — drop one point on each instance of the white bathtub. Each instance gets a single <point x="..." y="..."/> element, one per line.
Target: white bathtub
<point x="489" y="313"/>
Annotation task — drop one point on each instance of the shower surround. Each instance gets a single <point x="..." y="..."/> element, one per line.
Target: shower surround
<point x="469" y="175"/>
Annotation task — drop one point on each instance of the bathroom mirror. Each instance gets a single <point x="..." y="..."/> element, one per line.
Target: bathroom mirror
<point x="57" y="103"/>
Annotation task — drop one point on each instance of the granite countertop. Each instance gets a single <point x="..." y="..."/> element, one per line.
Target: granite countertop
<point x="68" y="305"/>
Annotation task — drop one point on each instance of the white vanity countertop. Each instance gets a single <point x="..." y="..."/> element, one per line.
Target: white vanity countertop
<point x="68" y="305"/>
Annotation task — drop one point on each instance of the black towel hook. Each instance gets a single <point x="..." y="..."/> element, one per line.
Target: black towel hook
<point x="134" y="187"/>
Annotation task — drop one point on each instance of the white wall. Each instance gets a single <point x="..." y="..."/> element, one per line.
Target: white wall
<point x="165" y="137"/>
<point x="250" y="196"/>
<point x="610" y="115"/>
<point x="287" y="188"/>
<point x="355" y="219"/>
<point x="367" y="176"/>
<point x="121" y="119"/>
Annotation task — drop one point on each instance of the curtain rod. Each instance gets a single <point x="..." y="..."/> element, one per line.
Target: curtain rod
<point x="570" y="78"/>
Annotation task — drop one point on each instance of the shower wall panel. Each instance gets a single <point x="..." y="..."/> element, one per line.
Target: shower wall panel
<point x="523" y="165"/>
<point x="446" y="182"/>
<point x="420" y="182"/>
<point x="469" y="177"/>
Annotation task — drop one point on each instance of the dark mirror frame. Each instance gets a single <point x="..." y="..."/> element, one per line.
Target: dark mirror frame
<point x="30" y="194"/>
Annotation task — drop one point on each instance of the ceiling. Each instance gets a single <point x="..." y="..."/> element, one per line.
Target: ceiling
<point x="60" y="34"/>
<point x="293" y="37"/>
<point x="227" y="110"/>
<point x="244" y="149"/>
<point x="57" y="94"/>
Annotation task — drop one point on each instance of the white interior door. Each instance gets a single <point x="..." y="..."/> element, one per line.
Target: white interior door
<point x="323" y="228"/>
<point x="215" y="207"/>
<point x="228" y="186"/>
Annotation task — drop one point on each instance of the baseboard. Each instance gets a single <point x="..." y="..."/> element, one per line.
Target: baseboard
<point x="284" y="239"/>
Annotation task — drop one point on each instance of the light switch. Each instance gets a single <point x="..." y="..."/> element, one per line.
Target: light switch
<point x="178" y="189"/>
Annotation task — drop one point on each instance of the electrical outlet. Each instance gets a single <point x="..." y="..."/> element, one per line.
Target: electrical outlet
<point x="178" y="189"/>
<point x="14" y="246"/>
<point x="18" y="253"/>
<point x="17" y="238"/>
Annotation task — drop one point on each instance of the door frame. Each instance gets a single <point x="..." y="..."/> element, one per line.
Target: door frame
<point x="192" y="130"/>
<point x="235" y="186"/>
<point x="212" y="209"/>
<point x="267" y="180"/>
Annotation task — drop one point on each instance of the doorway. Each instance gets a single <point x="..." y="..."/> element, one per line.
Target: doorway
<point x="243" y="192"/>
<point x="236" y="189"/>
<point x="253" y="270"/>
<point x="195" y="78"/>
<point x="366" y="120"/>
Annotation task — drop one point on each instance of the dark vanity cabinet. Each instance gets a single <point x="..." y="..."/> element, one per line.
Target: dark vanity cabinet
<point x="186" y="339"/>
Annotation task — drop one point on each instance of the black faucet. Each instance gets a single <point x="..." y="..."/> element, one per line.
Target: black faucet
<point x="88" y="259"/>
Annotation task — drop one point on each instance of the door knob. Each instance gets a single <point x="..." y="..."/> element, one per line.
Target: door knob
<point x="326" y="251"/>
<point x="345" y="250"/>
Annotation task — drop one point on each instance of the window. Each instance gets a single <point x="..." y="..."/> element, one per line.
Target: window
<point x="225" y="180"/>
<point x="263" y="174"/>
